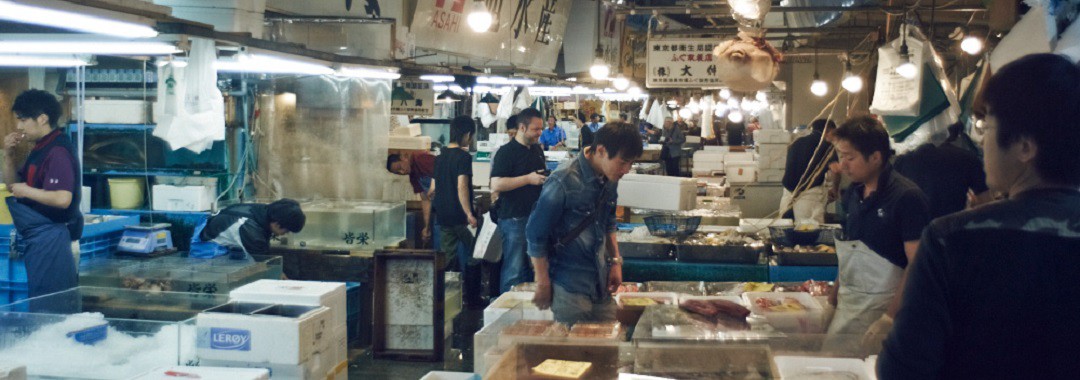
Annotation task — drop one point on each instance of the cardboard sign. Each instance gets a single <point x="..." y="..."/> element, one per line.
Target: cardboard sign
<point x="682" y="63"/>
<point x="412" y="97"/>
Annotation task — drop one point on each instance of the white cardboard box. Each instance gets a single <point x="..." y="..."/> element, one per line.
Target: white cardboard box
<point x="184" y="198"/>
<point x="773" y="136"/>
<point x="657" y="192"/>
<point x="740" y="171"/>
<point x="12" y="372"/>
<point x="315" y="368"/>
<point x="291" y="292"/>
<point x="205" y="373"/>
<point x="738" y="157"/>
<point x="292" y="337"/>
<point x="508" y="301"/>
<point x="410" y="142"/>
<point x="115" y="111"/>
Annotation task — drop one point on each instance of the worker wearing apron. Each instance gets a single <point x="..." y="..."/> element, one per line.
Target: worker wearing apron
<point x="887" y="214"/>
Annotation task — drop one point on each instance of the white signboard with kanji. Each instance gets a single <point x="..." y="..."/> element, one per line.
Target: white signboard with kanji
<point x="412" y="97"/>
<point x="682" y="63"/>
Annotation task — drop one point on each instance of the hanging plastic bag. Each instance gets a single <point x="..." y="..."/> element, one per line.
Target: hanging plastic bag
<point x="893" y="94"/>
<point x="193" y="108"/>
<point x="488" y="242"/>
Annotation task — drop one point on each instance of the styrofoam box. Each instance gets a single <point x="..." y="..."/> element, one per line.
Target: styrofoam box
<point x="409" y="130"/>
<point x="509" y="300"/>
<point x="115" y="111"/>
<point x="315" y="368"/>
<point x="772" y="156"/>
<point x="740" y="171"/>
<point x="716" y="148"/>
<point x="264" y="338"/>
<point x="791" y="367"/>
<point x="770" y="175"/>
<point x="339" y="346"/>
<point x="410" y="142"/>
<point x="205" y="373"/>
<point x="774" y="136"/>
<point x="443" y="375"/>
<point x="291" y="292"/>
<point x="247" y="5"/>
<point x="809" y="321"/>
<point x="12" y="372"/>
<point x="184" y="198"/>
<point x="774" y="162"/>
<point x="657" y="192"/>
<point x="738" y="157"/>
<point x="671" y="297"/>
<point x="224" y="19"/>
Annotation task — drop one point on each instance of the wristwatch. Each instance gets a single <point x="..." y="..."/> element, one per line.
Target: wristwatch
<point x="615" y="260"/>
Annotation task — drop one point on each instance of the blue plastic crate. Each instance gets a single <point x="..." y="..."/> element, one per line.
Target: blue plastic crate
<point x="11" y="292"/>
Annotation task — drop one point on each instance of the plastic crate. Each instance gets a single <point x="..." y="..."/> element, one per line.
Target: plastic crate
<point x="11" y="292"/>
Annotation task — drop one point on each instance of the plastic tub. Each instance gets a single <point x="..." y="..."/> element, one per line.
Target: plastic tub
<point x="127" y="193"/>
<point x="810" y="320"/>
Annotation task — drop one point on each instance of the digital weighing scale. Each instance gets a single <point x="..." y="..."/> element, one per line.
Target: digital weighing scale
<point x="146" y="239"/>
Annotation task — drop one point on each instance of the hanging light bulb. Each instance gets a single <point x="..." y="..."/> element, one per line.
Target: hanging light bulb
<point x="906" y="69"/>
<point x="747" y="105"/>
<point x="479" y="19"/>
<point x="685" y="113"/>
<point x="762" y="97"/>
<point x="720" y="110"/>
<point x="620" y="83"/>
<point x="634" y="90"/>
<point x="971" y="45"/>
<point x="600" y="69"/>
<point x="693" y="106"/>
<point x="735" y="116"/>
<point x="818" y="87"/>
<point x="852" y="83"/>
<point x="725" y="93"/>
<point x="733" y="103"/>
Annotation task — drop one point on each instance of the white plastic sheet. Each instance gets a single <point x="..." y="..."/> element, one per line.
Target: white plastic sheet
<point x="894" y="94"/>
<point x="1034" y="33"/>
<point x="193" y="109"/>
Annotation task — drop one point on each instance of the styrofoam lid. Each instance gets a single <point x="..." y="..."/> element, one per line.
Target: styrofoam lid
<point x="290" y="287"/>
<point x="205" y="373"/>
<point x="631" y="177"/>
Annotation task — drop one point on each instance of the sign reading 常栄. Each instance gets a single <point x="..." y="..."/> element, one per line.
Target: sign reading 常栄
<point x="412" y="97"/>
<point x="682" y="63"/>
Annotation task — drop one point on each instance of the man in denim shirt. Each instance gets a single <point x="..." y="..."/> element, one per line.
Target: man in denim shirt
<point x="577" y="279"/>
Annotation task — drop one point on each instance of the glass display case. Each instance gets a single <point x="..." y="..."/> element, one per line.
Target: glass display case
<point x="179" y="274"/>
<point x="101" y="333"/>
<point x="351" y="225"/>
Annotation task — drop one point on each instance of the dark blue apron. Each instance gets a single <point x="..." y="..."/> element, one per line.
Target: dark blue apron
<point x="50" y="265"/>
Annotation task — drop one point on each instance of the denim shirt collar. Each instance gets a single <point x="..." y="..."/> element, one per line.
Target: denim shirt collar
<point x="588" y="175"/>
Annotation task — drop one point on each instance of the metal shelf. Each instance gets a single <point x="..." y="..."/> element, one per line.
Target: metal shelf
<point x="116" y="127"/>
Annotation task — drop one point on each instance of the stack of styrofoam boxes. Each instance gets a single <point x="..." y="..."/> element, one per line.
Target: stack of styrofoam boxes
<point x="290" y="340"/>
<point x="740" y="167"/>
<point x="708" y="162"/>
<point x="331" y="357"/>
<point x="239" y="16"/>
<point x="657" y="192"/>
<point x="510" y="300"/>
<point x="772" y="146"/>
<point x="205" y="373"/>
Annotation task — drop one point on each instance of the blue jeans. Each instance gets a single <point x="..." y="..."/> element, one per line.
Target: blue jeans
<point x="516" y="267"/>
<point x="571" y="308"/>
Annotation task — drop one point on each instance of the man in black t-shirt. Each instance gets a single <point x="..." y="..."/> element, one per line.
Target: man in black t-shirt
<point x="516" y="174"/>
<point x="946" y="173"/>
<point x="453" y="191"/>
<point x="804" y="157"/>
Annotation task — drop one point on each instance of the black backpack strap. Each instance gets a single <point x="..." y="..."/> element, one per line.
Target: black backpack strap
<point x="589" y="219"/>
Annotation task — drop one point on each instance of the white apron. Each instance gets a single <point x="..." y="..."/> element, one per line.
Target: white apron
<point x="809" y="206"/>
<point x="868" y="283"/>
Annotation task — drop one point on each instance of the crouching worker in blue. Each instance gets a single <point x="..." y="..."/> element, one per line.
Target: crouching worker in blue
<point x="571" y="232"/>
<point x="245" y="229"/>
<point x="46" y="192"/>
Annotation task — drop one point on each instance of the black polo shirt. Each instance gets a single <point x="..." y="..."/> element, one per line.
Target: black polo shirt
<point x="944" y="173"/>
<point x="515" y="160"/>
<point x="894" y="213"/>
<point x="800" y="157"/>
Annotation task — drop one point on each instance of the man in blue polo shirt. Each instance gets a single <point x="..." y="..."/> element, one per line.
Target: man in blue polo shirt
<point x="553" y="136"/>
<point x="577" y="274"/>
<point x="886" y="215"/>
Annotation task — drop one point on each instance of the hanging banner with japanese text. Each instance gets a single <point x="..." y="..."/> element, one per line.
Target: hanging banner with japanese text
<point x="412" y="97"/>
<point x="527" y="33"/>
<point x="682" y="63"/>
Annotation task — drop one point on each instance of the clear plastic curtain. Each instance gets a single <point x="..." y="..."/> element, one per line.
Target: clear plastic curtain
<point x="323" y="137"/>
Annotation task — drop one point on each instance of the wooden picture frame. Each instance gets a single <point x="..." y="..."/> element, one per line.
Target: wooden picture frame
<point x="409" y="307"/>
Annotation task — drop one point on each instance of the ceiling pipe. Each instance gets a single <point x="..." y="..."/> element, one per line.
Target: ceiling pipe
<point x="791" y="9"/>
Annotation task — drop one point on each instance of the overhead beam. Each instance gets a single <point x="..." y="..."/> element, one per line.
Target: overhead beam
<point x="791" y="9"/>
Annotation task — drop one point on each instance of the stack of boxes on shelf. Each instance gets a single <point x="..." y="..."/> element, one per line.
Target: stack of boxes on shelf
<point x="296" y="329"/>
<point x="772" y="146"/>
<point x="708" y="163"/>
